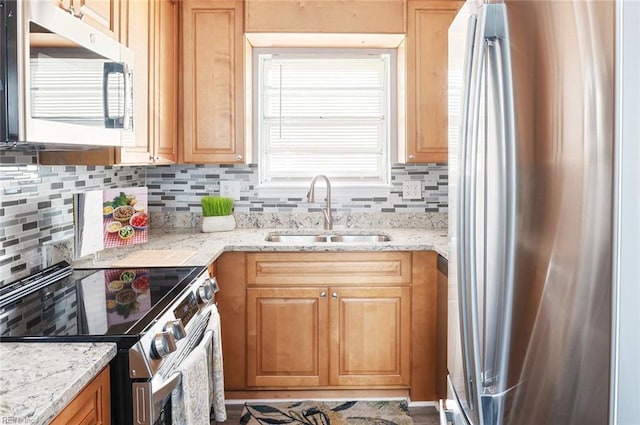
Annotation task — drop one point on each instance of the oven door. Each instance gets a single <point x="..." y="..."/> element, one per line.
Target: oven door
<point x="152" y="400"/>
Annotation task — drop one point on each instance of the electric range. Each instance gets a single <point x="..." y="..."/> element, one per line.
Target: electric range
<point x="156" y="316"/>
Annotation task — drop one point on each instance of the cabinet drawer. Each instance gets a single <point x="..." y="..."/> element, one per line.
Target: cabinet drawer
<point x="329" y="268"/>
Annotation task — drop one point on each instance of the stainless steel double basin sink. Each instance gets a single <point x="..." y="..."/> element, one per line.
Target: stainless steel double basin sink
<point x="308" y="238"/>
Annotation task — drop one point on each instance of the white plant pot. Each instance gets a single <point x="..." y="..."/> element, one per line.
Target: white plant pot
<point x="221" y="223"/>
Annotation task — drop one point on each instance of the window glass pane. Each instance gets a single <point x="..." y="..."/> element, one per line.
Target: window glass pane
<point x="324" y="113"/>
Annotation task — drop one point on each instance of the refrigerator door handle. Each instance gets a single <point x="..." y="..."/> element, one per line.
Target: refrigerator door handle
<point x="471" y="305"/>
<point x="463" y="216"/>
<point x="468" y="258"/>
<point x="500" y="276"/>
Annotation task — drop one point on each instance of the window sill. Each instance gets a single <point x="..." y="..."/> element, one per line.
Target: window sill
<point x="339" y="192"/>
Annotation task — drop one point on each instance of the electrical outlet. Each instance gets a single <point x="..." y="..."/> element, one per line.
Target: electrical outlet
<point x="411" y="189"/>
<point x="230" y="189"/>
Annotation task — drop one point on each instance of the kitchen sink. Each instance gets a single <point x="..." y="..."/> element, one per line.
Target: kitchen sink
<point x="335" y="237"/>
<point x="275" y="237"/>
<point x="359" y="238"/>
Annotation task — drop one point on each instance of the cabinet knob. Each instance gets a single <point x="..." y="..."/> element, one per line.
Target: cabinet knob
<point x="323" y="294"/>
<point x="412" y="156"/>
<point x="239" y="157"/>
<point x="334" y="295"/>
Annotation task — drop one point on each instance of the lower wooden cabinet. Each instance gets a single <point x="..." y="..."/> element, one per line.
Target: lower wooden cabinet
<point x="287" y="337"/>
<point x="92" y="406"/>
<point x="370" y="330"/>
<point x="328" y="322"/>
<point x="335" y="336"/>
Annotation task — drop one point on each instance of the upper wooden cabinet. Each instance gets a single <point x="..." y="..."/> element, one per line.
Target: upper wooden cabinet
<point x="150" y="28"/>
<point x="213" y="79"/>
<point x="326" y="16"/>
<point x="166" y="82"/>
<point x="101" y="14"/>
<point x="426" y="79"/>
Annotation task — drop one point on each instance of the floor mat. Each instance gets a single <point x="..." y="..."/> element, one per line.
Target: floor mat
<point x="386" y="412"/>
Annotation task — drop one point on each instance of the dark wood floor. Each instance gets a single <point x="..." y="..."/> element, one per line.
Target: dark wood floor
<point x="421" y="415"/>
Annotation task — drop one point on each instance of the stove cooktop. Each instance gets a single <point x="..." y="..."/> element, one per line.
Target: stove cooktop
<point x="90" y="303"/>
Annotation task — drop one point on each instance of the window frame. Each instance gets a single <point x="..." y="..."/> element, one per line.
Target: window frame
<point x="365" y="188"/>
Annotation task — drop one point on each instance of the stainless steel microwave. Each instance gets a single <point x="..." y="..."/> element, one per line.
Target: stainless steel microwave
<point x="65" y="84"/>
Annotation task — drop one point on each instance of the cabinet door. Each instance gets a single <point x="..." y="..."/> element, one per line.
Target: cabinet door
<point x="103" y="15"/>
<point x="370" y="336"/>
<point x="165" y="89"/>
<point x="213" y="81"/>
<point x="91" y="406"/>
<point x="287" y="337"/>
<point x="138" y="36"/>
<point x="152" y="33"/>
<point x="427" y="38"/>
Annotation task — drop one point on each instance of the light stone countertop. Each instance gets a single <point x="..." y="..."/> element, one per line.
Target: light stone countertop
<point x="37" y="380"/>
<point x="209" y="246"/>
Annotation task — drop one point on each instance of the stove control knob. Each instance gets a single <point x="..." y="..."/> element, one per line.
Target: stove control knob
<point x="163" y="344"/>
<point x="205" y="292"/>
<point x="175" y="328"/>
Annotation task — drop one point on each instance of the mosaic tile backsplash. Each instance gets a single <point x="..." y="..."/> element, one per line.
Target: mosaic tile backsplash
<point x="178" y="188"/>
<point x="36" y="204"/>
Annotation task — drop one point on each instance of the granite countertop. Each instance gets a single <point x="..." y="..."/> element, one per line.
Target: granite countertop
<point x="37" y="380"/>
<point x="209" y="246"/>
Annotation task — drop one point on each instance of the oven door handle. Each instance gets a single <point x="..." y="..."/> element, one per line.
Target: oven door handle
<point x="166" y="388"/>
<point x="147" y="403"/>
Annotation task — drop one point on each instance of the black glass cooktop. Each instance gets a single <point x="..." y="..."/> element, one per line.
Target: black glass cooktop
<point x="93" y="302"/>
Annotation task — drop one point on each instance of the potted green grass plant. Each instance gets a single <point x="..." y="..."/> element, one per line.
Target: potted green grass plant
<point x="217" y="214"/>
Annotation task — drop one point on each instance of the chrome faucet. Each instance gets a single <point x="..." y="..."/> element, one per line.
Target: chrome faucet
<point x="328" y="220"/>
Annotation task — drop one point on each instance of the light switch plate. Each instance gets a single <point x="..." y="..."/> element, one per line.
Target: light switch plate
<point x="230" y="189"/>
<point x="411" y="189"/>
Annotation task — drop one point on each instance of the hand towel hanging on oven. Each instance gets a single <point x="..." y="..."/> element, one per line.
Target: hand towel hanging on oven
<point x="214" y="362"/>
<point x="190" y="400"/>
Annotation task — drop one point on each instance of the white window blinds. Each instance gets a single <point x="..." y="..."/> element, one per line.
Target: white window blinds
<point x="324" y="113"/>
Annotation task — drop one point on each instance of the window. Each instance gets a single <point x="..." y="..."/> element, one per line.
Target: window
<point x="324" y="111"/>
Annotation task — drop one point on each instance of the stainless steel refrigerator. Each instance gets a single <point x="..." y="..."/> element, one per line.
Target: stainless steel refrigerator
<point x="532" y="212"/>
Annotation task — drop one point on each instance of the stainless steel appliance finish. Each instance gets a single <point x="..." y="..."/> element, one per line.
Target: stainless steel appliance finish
<point x="531" y="212"/>
<point x="65" y="84"/>
<point x="154" y="359"/>
<point x="625" y="391"/>
<point x="154" y="334"/>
